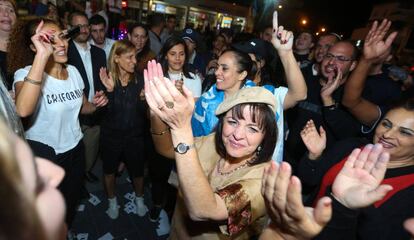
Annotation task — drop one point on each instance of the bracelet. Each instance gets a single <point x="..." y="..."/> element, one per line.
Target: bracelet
<point x="159" y="133"/>
<point x="38" y="83"/>
<point x="332" y="107"/>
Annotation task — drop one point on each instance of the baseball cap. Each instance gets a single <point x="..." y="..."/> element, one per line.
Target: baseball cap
<point x="190" y="34"/>
<point x="248" y="95"/>
<point x="255" y="46"/>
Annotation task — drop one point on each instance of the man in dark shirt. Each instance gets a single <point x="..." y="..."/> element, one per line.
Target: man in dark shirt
<point x="323" y="101"/>
<point x="303" y="45"/>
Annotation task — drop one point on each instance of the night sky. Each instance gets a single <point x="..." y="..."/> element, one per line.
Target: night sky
<point x="338" y="16"/>
<point x="341" y="16"/>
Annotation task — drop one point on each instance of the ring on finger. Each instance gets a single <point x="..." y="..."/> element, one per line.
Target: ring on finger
<point x="161" y="107"/>
<point x="169" y="104"/>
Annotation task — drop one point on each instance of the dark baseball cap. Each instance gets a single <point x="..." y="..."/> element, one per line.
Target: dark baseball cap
<point x="190" y="34"/>
<point x="255" y="46"/>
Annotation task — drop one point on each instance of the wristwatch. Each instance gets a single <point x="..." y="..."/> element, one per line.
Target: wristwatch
<point x="182" y="148"/>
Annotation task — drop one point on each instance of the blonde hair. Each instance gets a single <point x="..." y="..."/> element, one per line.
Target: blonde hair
<point x="119" y="48"/>
<point x="19" y="218"/>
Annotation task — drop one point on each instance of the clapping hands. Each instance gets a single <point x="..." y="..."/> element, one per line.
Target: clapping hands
<point x="375" y="46"/>
<point x="283" y="200"/>
<point x="165" y="100"/>
<point x="358" y="184"/>
<point x="315" y="142"/>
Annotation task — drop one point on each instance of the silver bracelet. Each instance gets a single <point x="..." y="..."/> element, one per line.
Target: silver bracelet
<point x="38" y="83"/>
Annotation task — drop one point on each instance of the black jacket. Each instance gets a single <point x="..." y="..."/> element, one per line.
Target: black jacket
<point x="98" y="60"/>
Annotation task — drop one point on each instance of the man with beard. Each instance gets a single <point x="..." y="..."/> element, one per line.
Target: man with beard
<point x="88" y="59"/>
<point x="321" y="48"/>
<point x="322" y="105"/>
<point x="98" y="26"/>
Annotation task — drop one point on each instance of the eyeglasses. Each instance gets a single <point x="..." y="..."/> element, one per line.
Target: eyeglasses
<point x="330" y="56"/>
<point x="82" y="25"/>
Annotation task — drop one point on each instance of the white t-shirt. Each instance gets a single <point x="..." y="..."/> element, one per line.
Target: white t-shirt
<point x="280" y="94"/>
<point x="193" y="84"/>
<point x="55" y="121"/>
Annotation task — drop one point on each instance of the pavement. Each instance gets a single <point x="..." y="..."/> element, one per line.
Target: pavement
<point x="91" y="222"/>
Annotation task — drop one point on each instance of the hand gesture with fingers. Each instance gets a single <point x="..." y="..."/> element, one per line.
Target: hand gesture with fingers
<point x="282" y="39"/>
<point x="331" y="85"/>
<point x="165" y="101"/>
<point x="283" y="199"/>
<point x="41" y="41"/>
<point x="375" y="46"/>
<point x="358" y="184"/>
<point x="106" y="79"/>
<point x="100" y="99"/>
<point x="315" y="142"/>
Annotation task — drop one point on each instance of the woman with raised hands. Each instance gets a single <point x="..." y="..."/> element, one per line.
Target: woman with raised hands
<point x="219" y="175"/>
<point x="124" y="125"/>
<point x="358" y="183"/>
<point x="232" y="73"/>
<point x="49" y="94"/>
<point x="394" y="135"/>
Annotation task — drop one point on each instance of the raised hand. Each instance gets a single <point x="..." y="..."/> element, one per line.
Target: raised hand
<point x="330" y="86"/>
<point x="165" y="101"/>
<point x="41" y="41"/>
<point x="100" y="99"/>
<point x="282" y="39"/>
<point x="315" y="142"/>
<point x="283" y="200"/>
<point x="358" y="184"/>
<point x="106" y="79"/>
<point x="375" y="46"/>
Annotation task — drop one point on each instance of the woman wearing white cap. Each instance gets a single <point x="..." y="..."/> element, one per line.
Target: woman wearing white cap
<point x="220" y="174"/>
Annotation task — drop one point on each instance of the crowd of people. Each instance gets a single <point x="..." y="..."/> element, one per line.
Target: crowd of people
<point x="274" y="135"/>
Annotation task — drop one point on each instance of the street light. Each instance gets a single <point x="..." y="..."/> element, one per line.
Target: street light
<point x="304" y="22"/>
<point x="323" y="29"/>
<point x="280" y="6"/>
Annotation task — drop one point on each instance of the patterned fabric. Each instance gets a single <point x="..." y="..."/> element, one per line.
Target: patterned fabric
<point x="238" y="207"/>
<point x="240" y="192"/>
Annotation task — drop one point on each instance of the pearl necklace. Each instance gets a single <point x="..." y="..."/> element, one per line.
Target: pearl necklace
<point x="247" y="163"/>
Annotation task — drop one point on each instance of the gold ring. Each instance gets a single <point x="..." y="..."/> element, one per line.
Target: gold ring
<point x="169" y="104"/>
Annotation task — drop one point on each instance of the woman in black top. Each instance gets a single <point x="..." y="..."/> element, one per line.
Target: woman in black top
<point x="384" y="219"/>
<point x="122" y="131"/>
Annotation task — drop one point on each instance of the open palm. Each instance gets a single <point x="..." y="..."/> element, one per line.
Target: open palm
<point x="375" y="45"/>
<point x="106" y="79"/>
<point x="315" y="142"/>
<point x="358" y="184"/>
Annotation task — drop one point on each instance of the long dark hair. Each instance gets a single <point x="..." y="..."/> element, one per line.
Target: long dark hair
<point x="170" y="43"/>
<point x="243" y="62"/>
<point x="264" y="117"/>
<point x="147" y="45"/>
<point x="19" y="53"/>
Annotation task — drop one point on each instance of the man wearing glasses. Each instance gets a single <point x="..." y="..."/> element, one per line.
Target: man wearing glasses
<point x="88" y="59"/>
<point x="323" y="101"/>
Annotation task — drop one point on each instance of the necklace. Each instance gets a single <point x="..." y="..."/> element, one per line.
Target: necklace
<point x="247" y="163"/>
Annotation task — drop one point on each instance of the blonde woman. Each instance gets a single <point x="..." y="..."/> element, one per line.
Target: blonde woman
<point x="122" y="130"/>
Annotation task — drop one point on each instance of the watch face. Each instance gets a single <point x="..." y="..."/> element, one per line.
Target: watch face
<point x="182" y="148"/>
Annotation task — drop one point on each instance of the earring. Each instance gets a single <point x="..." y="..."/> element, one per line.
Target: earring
<point x="259" y="148"/>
